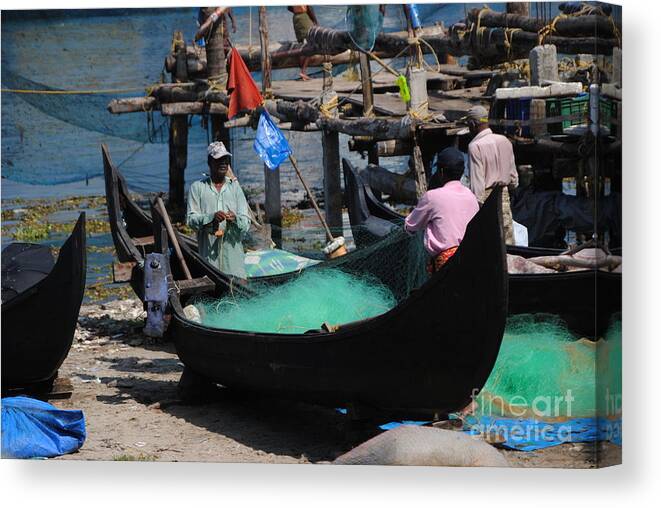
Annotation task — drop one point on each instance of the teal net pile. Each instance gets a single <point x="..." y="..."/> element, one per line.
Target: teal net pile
<point x="318" y="296"/>
<point x="364" y="283"/>
<point x="545" y="372"/>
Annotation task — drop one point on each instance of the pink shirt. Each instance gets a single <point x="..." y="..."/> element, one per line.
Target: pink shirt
<point x="444" y="213"/>
<point x="491" y="162"/>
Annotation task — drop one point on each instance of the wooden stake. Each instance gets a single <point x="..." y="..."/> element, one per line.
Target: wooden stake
<point x="178" y="140"/>
<point x="173" y="237"/>
<point x="265" y="55"/>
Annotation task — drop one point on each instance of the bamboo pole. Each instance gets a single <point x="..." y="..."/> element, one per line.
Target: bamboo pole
<point x="294" y="163"/>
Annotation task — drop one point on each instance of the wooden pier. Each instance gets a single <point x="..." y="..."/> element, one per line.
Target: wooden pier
<point x="369" y="109"/>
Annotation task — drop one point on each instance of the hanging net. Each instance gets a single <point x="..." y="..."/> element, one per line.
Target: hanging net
<point x="543" y="371"/>
<point x="364" y="22"/>
<point x="362" y="284"/>
<point x="87" y="109"/>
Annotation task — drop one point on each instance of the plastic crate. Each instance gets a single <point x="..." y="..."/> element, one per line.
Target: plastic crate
<point x="518" y="109"/>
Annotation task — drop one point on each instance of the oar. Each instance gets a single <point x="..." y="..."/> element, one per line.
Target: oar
<point x="173" y="237"/>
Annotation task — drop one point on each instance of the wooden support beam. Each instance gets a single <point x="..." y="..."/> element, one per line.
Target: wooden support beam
<point x="419" y="106"/>
<point x="194" y="286"/>
<point x="330" y="143"/>
<point x="368" y="100"/>
<point x="193" y="108"/>
<point x="178" y="140"/>
<point x="377" y="128"/>
<point x="264" y="50"/>
<point x="272" y="189"/>
<point x="178" y="155"/>
<point x="132" y="105"/>
<point x="538" y="112"/>
<point x="593" y="25"/>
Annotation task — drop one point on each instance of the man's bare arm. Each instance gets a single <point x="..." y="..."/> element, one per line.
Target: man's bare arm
<point x="208" y="23"/>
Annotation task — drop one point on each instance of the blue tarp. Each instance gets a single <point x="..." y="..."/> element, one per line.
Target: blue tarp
<point x="530" y="434"/>
<point x="32" y="428"/>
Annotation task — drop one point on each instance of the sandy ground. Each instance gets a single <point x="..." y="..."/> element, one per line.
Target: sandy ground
<point x="126" y="385"/>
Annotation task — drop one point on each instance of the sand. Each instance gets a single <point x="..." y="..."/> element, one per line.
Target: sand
<point x="126" y="385"/>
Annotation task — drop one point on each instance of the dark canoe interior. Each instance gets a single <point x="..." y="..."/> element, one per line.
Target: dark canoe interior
<point x="572" y="295"/>
<point x="23" y="265"/>
<point x="39" y="322"/>
<point x="425" y="356"/>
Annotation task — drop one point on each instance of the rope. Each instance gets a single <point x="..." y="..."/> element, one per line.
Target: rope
<point x="418" y="113"/>
<point x="509" y="32"/>
<point x="76" y="92"/>
<point x="327" y="109"/>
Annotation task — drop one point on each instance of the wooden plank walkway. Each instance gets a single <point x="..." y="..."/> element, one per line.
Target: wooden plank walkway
<point x="381" y="83"/>
<point x="453" y="103"/>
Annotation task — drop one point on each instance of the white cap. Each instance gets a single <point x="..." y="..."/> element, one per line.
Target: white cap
<point x="217" y="150"/>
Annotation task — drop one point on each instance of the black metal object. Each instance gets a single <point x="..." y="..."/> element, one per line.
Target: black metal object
<point x="39" y="321"/>
<point x="425" y="356"/>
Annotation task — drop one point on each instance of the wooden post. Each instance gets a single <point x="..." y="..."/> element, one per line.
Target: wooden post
<point x="272" y="196"/>
<point x="368" y="101"/>
<point x="178" y="141"/>
<point x="538" y="112"/>
<point x="330" y="142"/>
<point x="521" y="8"/>
<point x="417" y="79"/>
<point x="217" y="74"/>
<point x="265" y="55"/>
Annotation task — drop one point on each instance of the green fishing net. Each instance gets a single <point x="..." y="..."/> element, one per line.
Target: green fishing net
<point x="318" y="296"/>
<point x="364" y="283"/>
<point x="364" y="22"/>
<point x="543" y="371"/>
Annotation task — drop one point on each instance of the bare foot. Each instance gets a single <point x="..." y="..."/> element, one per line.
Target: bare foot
<point x="304" y="76"/>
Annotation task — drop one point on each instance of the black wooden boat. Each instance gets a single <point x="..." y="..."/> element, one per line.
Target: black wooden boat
<point x="585" y="299"/>
<point x="424" y="356"/>
<point x="132" y="232"/>
<point x="364" y="207"/>
<point x="40" y="304"/>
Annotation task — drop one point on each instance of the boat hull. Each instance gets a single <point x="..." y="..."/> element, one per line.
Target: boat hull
<point x="427" y="355"/>
<point x="38" y="325"/>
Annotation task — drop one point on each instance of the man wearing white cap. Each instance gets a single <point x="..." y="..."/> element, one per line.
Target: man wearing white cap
<point x="218" y="212"/>
<point x="491" y="163"/>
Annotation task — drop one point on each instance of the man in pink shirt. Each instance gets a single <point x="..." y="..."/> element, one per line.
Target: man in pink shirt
<point x="445" y="210"/>
<point x="491" y="163"/>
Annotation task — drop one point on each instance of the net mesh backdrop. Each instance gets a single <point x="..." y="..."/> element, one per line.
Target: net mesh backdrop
<point x="52" y="138"/>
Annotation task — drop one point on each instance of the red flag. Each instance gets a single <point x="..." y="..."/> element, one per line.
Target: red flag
<point x="241" y="88"/>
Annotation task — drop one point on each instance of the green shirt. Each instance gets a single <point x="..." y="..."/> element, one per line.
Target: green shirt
<point x="225" y="252"/>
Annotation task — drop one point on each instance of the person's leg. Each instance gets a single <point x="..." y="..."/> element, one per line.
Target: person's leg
<point x="508" y="226"/>
<point x="303" y="62"/>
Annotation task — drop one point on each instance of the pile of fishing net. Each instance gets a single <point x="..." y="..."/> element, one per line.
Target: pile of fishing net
<point x="364" y="283"/>
<point x="545" y="372"/>
<point x="318" y="296"/>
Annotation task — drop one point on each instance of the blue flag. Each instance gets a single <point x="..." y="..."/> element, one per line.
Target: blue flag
<point x="270" y="144"/>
